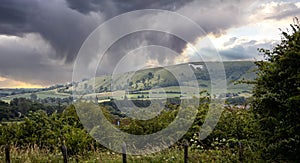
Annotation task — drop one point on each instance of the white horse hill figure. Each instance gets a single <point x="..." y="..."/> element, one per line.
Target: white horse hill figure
<point x="197" y="67"/>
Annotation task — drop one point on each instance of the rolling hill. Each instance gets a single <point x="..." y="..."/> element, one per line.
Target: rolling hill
<point x="138" y="84"/>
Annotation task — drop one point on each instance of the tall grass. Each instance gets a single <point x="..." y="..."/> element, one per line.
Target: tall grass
<point x="174" y="154"/>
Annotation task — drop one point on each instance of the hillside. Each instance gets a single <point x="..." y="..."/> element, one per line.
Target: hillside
<point x="137" y="84"/>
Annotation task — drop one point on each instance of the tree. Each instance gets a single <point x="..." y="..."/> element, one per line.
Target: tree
<point x="277" y="98"/>
<point x="150" y="75"/>
<point x="33" y="97"/>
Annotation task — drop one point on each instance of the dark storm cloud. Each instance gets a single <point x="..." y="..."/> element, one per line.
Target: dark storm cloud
<point x="113" y="7"/>
<point x="213" y="16"/>
<point x="63" y="28"/>
<point x="137" y="40"/>
<point x="66" y="24"/>
<point x="66" y="29"/>
<point x="14" y="17"/>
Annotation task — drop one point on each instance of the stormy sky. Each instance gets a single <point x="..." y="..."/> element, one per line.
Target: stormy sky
<point x="39" y="40"/>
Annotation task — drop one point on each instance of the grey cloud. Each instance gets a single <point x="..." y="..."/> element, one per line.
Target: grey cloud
<point x="216" y="16"/>
<point x="285" y="10"/>
<point x="286" y="14"/>
<point x="230" y="41"/>
<point x="237" y="53"/>
<point x="114" y="7"/>
<point x="66" y="29"/>
<point x="139" y="40"/>
<point x="244" y="51"/>
<point x="63" y="28"/>
<point x="14" y="16"/>
<point x="65" y="24"/>
<point x="21" y="63"/>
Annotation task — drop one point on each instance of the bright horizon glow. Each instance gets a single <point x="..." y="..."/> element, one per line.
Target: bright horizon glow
<point x="10" y="83"/>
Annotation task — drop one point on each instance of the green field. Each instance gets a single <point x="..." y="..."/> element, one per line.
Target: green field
<point x="41" y="95"/>
<point x="154" y="80"/>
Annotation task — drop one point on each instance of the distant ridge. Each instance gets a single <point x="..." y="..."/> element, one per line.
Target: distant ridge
<point x="145" y="79"/>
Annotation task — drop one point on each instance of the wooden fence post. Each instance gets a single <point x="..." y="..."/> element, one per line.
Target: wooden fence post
<point x="241" y="151"/>
<point x="7" y="153"/>
<point x="186" y="148"/>
<point x="124" y="153"/>
<point x="65" y="153"/>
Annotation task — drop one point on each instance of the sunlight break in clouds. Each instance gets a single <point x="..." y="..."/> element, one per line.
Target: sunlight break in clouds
<point x="261" y="30"/>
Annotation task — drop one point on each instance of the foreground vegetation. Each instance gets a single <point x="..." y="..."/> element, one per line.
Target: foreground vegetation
<point x="39" y="137"/>
<point x="171" y="155"/>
